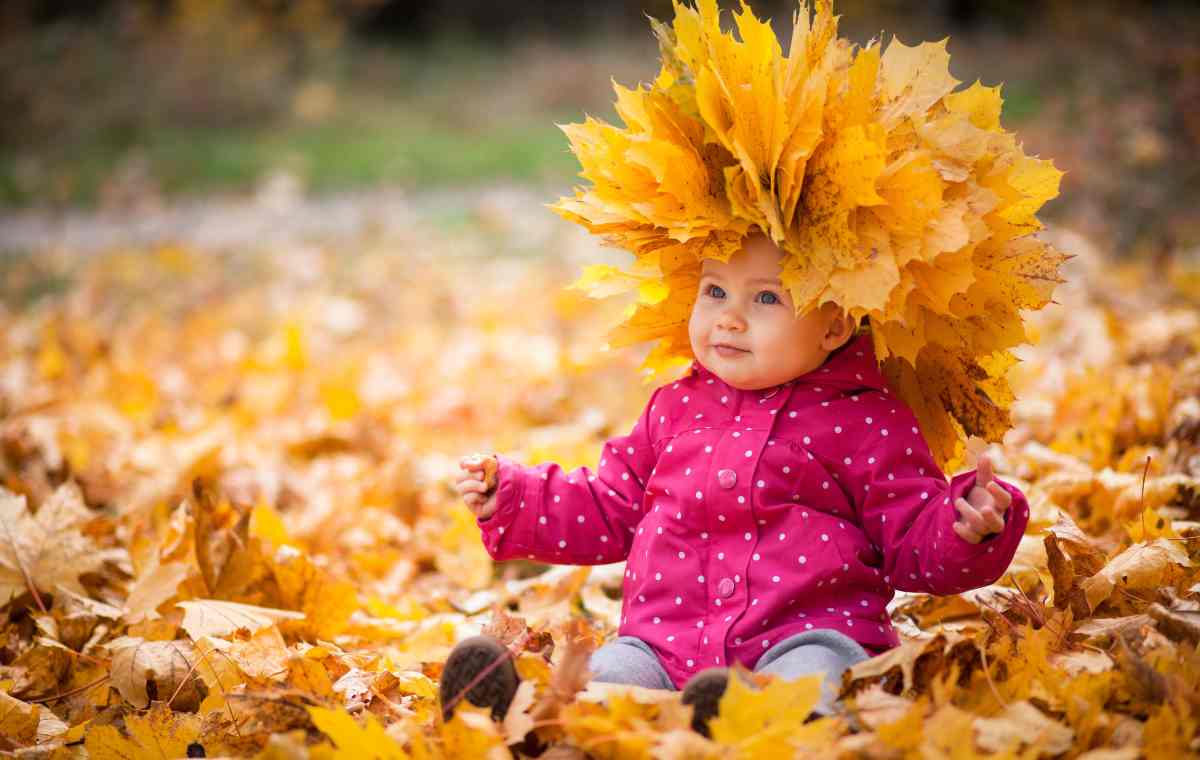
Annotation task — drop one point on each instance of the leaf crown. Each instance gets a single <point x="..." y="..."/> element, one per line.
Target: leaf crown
<point x="892" y="195"/>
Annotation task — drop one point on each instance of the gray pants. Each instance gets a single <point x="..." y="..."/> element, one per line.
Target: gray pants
<point x="629" y="660"/>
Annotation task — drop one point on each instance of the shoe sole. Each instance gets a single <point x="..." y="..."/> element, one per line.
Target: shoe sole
<point x="466" y="661"/>
<point x="703" y="692"/>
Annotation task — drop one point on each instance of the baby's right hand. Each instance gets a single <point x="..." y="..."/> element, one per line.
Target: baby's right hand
<point x="477" y="484"/>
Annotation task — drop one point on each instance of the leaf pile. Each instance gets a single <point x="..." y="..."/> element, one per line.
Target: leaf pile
<point x="227" y="526"/>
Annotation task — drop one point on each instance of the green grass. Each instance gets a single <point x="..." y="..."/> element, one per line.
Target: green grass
<point x="337" y="155"/>
<point x="24" y="280"/>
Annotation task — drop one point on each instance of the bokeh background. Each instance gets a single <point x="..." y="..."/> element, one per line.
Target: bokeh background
<point x="133" y="106"/>
<point x="268" y="269"/>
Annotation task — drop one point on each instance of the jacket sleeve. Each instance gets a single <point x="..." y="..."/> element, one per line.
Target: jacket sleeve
<point x="573" y="518"/>
<point x="906" y="508"/>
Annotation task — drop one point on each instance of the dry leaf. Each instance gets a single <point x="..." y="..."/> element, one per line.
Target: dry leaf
<point x="18" y="722"/>
<point x="145" y="671"/>
<point x="156" y="585"/>
<point x="48" y="546"/>
<point x="1021" y="723"/>
<point x="159" y="733"/>
<point x="212" y="617"/>
<point x="355" y="740"/>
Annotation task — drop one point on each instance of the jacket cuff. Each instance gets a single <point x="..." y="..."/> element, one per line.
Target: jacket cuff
<point x="975" y="565"/>
<point x="502" y="531"/>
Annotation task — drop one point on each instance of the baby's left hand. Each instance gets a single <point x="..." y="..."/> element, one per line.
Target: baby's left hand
<point x="984" y="510"/>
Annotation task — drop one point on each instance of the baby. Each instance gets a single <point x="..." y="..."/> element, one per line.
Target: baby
<point x="767" y="505"/>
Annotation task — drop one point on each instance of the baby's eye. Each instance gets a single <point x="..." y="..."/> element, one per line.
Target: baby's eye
<point x="715" y="291"/>
<point x="768" y="297"/>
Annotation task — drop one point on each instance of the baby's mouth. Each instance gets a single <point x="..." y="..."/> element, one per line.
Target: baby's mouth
<point x="726" y="350"/>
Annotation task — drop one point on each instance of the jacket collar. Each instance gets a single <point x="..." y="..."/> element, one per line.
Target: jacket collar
<point x="850" y="368"/>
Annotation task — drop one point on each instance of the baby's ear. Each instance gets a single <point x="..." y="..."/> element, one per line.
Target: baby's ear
<point x="841" y="328"/>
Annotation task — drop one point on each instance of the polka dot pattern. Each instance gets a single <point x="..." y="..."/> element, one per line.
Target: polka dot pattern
<point x="825" y="515"/>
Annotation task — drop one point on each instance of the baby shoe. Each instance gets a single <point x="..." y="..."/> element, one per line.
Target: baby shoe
<point x="704" y="691"/>
<point x="466" y="661"/>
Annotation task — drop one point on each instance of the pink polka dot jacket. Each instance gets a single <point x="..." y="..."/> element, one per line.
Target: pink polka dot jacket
<point x="746" y="517"/>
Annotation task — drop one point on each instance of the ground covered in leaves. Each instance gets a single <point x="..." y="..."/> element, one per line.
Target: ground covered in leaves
<point x="228" y="527"/>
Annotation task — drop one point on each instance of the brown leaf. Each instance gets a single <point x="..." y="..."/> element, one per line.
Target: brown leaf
<point x="908" y="666"/>
<point x="874" y="706"/>
<point x="18" y="722"/>
<point x="262" y="655"/>
<point x="1178" y="626"/>
<point x="145" y="671"/>
<point x="216" y="539"/>
<point x="48" y="546"/>
<point x="511" y="630"/>
<point x="158" y="583"/>
<point x="572" y="674"/>
<point x="1144" y="565"/>
<point x="1102" y="629"/>
<point x="1022" y="724"/>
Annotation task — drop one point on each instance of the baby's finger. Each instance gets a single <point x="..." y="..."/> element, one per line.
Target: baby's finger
<point x="983" y="471"/>
<point x="992" y="519"/>
<point x="966" y="534"/>
<point x="970" y="516"/>
<point x="1002" y="497"/>
<point x="471" y="486"/>
<point x="472" y="462"/>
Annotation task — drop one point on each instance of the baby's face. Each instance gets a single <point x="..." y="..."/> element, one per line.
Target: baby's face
<point x="744" y="328"/>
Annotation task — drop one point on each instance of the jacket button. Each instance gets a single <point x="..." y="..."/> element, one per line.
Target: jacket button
<point x="725" y="587"/>
<point x="727" y="478"/>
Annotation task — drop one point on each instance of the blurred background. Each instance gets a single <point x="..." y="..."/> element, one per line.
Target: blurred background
<point x="136" y="106"/>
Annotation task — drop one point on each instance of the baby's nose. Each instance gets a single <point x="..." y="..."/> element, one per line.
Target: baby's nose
<point x="730" y="320"/>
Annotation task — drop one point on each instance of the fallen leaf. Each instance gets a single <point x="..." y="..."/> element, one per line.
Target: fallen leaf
<point x="160" y="733"/>
<point x="48" y="546"/>
<point x="1020" y="723"/>
<point x="353" y="739"/>
<point x="156" y="585"/>
<point x="18" y="722"/>
<point x="213" y="617"/>
<point x="143" y="671"/>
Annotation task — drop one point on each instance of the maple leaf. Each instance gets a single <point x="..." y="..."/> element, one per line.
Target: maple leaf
<point x="471" y="732"/>
<point x="769" y="721"/>
<point x="18" y="722"/>
<point x="162" y="668"/>
<point x="48" y="545"/>
<point x="1144" y="565"/>
<point x="326" y="603"/>
<point x="160" y="733"/>
<point x="159" y="582"/>
<point x="1022" y="723"/>
<point x="212" y="617"/>
<point x="355" y="740"/>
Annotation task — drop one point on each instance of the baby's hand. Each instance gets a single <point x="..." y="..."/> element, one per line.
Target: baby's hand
<point x="477" y="484"/>
<point x="984" y="510"/>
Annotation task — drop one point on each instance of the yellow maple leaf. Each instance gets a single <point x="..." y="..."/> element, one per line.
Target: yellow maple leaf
<point x="159" y="733"/>
<point x="353" y="739"/>
<point x="768" y="722"/>
<point x="326" y="603"/>
<point x="1150" y="525"/>
<point x="620" y="728"/>
<point x="1171" y="731"/>
<point x="471" y="732"/>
